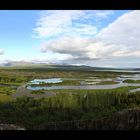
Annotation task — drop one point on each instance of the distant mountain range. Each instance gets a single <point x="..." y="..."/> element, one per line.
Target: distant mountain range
<point x="24" y="64"/>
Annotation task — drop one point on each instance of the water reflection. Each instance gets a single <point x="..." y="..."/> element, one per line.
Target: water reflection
<point x="89" y="83"/>
<point x="51" y="80"/>
<point x="82" y="87"/>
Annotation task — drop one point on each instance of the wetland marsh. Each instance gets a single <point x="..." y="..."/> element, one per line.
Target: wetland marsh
<point x="64" y="95"/>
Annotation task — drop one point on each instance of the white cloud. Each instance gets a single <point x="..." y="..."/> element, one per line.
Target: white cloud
<point x="55" y="22"/>
<point x="58" y="22"/>
<point x="79" y="48"/>
<point x="1" y="52"/>
<point x="117" y="40"/>
<point x="100" y="14"/>
<point x="67" y="45"/>
<point x="124" y="34"/>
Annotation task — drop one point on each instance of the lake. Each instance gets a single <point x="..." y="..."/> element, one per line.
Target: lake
<point x="82" y="87"/>
<point x="50" y="80"/>
<point x="131" y="71"/>
<point x="119" y="79"/>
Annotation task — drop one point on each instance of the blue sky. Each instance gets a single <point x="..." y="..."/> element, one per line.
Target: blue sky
<point x="90" y="37"/>
<point x="15" y="34"/>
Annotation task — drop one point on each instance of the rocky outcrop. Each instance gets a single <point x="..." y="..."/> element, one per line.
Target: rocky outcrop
<point x="10" y="127"/>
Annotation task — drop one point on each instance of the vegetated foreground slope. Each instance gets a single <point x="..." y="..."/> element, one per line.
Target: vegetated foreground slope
<point x="128" y="119"/>
<point x="77" y="110"/>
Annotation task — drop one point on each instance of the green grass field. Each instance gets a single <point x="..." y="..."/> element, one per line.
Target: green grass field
<point x="131" y="81"/>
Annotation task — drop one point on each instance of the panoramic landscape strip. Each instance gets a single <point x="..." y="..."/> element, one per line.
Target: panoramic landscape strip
<point x="69" y="70"/>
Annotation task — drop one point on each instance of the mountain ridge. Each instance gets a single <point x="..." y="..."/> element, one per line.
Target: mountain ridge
<point x="24" y="64"/>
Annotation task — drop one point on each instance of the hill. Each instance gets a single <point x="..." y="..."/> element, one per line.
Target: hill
<point x="30" y="65"/>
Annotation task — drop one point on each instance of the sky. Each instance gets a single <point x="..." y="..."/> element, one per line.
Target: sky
<point x="98" y="38"/>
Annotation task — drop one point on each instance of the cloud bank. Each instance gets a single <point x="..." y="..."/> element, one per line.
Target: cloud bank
<point x="75" y="35"/>
<point x="68" y="22"/>
<point x="1" y="52"/>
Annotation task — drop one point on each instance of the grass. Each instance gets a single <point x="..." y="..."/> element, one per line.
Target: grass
<point x="27" y="74"/>
<point x="11" y="83"/>
<point x="107" y="83"/>
<point x="38" y="92"/>
<point x="131" y="81"/>
<point x="117" y="90"/>
<point x="7" y="90"/>
<point x="5" y="98"/>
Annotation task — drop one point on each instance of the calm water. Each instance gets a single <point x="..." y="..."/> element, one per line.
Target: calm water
<point x="51" y="80"/>
<point x="132" y="71"/>
<point x="85" y="83"/>
<point x="82" y="87"/>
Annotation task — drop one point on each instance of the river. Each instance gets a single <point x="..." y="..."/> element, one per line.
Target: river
<point x="85" y="82"/>
<point x="82" y="87"/>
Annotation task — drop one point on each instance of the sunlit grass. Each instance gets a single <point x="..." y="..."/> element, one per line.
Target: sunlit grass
<point x="7" y="90"/>
<point x="131" y="81"/>
<point x="5" y="98"/>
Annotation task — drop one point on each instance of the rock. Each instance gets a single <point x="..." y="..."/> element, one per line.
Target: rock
<point x="10" y="127"/>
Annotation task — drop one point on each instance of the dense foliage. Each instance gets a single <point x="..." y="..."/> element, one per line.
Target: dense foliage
<point x="30" y="113"/>
<point x="66" y="105"/>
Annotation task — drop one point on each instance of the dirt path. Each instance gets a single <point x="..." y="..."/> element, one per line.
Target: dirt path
<point x="23" y="91"/>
